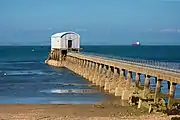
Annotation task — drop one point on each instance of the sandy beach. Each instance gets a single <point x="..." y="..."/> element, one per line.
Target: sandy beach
<point x="75" y="112"/>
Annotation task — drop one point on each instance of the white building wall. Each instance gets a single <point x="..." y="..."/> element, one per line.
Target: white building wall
<point x="55" y="43"/>
<point x="59" y="42"/>
<point x="63" y="43"/>
<point x="78" y="42"/>
<point x="73" y="44"/>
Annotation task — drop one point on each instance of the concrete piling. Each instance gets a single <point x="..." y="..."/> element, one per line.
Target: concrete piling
<point x="171" y="94"/>
<point x="146" y="85"/>
<point x="158" y="90"/>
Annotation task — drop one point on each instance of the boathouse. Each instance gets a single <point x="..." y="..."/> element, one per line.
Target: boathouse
<point x="65" y="41"/>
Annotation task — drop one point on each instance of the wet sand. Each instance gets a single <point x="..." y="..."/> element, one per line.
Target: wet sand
<point x="75" y="112"/>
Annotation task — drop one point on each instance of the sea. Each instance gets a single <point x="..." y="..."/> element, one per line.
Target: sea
<point x="26" y="79"/>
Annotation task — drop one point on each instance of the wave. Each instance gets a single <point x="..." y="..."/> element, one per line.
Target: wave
<point x="50" y="83"/>
<point x="30" y="72"/>
<point x="71" y="84"/>
<point x="17" y="62"/>
<point x="61" y="91"/>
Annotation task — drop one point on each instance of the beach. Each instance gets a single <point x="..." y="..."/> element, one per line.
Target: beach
<point x="75" y="112"/>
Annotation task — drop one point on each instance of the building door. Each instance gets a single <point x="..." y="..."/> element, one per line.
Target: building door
<point x="69" y="43"/>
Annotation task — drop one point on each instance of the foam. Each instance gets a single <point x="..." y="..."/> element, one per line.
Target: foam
<point x="29" y="72"/>
<point x="17" y="62"/>
<point x="61" y="91"/>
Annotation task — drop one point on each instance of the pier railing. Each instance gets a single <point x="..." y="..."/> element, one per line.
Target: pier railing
<point x="167" y="66"/>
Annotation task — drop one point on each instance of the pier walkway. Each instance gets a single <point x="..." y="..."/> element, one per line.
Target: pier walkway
<point x="115" y="76"/>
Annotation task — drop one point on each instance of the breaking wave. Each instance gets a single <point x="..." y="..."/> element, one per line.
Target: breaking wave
<point x="18" y="62"/>
<point x="61" y="91"/>
<point x="27" y="72"/>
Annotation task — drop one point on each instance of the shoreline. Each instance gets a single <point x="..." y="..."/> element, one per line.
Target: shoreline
<point x="75" y="111"/>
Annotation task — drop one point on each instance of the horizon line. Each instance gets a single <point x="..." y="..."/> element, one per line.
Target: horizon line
<point x="103" y="45"/>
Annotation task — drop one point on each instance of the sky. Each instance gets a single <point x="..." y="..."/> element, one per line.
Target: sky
<point x="99" y="22"/>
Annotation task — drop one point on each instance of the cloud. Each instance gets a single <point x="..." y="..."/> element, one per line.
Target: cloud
<point x="170" y="0"/>
<point x="178" y="30"/>
<point x="49" y="28"/>
<point x="165" y="30"/>
<point x="172" y="30"/>
<point x="149" y="30"/>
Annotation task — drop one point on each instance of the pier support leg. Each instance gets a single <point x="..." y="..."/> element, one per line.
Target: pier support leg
<point x="87" y="69"/>
<point x="158" y="90"/>
<point x="56" y="55"/>
<point x="112" y="85"/>
<point x="75" y="65"/>
<point x="102" y="79"/>
<point x="83" y="66"/>
<point x="146" y="86"/>
<point x="99" y="75"/>
<point x="137" y="82"/>
<point x="91" y="71"/>
<point x="95" y="75"/>
<point x="60" y="56"/>
<point x="137" y="79"/>
<point x="129" y="78"/>
<point x="171" y="94"/>
<point x="120" y="85"/>
<point x="52" y="55"/>
<point x="79" y="66"/>
<point x="127" y="93"/>
<point x="107" y="79"/>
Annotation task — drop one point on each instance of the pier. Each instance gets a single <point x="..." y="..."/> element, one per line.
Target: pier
<point x="115" y="76"/>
